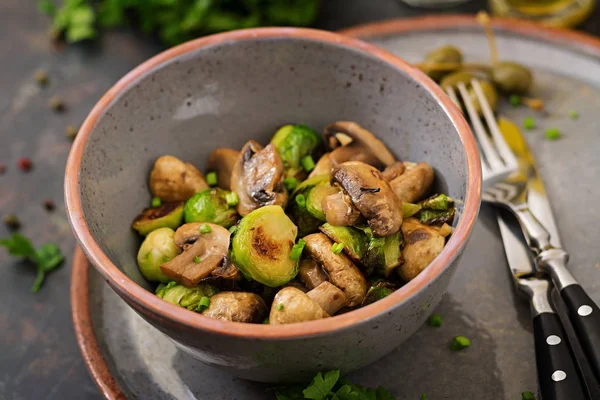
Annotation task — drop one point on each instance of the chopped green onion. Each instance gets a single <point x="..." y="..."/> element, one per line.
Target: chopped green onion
<point x="423" y="397"/>
<point x="307" y="163"/>
<point x="205" y="301"/>
<point x="266" y="321"/>
<point x="232" y="199"/>
<point x="552" y="134"/>
<point x="459" y="343"/>
<point x="515" y="100"/>
<point x="197" y="259"/>
<point x="211" y="179"/>
<point x="290" y="183"/>
<point x="529" y="123"/>
<point x="205" y="228"/>
<point x="573" y="115"/>
<point x="279" y="306"/>
<point x="527" y="396"/>
<point x="232" y="229"/>
<point x="301" y="201"/>
<point x="156" y="202"/>
<point x="297" y="250"/>
<point x="337" y="248"/>
<point x="435" y="320"/>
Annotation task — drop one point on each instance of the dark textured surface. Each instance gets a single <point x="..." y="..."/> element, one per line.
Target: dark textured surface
<point x="40" y="358"/>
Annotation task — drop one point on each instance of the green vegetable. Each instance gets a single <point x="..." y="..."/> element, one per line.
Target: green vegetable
<point x="354" y="240"/>
<point x="511" y="77"/>
<point x="527" y="396"/>
<point x="459" y="343"/>
<point x="297" y="250"/>
<point x="410" y="209"/>
<point x="46" y="259"/>
<point x="328" y="386"/>
<point x="306" y="222"/>
<point x="383" y="255"/>
<point x="158" y="248"/>
<point x="211" y="179"/>
<point x="435" y="320"/>
<point x="552" y="134"/>
<point x="337" y="248"/>
<point x="309" y="183"/>
<point x="437" y="217"/>
<point x="439" y="202"/>
<point x="262" y="245"/>
<point x="301" y="201"/>
<point x="168" y="215"/>
<point x="195" y="299"/>
<point x="204" y="228"/>
<point x="295" y="144"/>
<point x="232" y="199"/>
<point x="290" y="183"/>
<point x="156" y="202"/>
<point x="573" y="115"/>
<point x="529" y="123"/>
<point x="457" y="77"/>
<point x="211" y="205"/>
<point x="441" y="55"/>
<point x="515" y="100"/>
<point x="174" y="21"/>
<point x="423" y="396"/>
<point x="314" y="199"/>
<point x="279" y="307"/>
<point x="378" y="290"/>
<point x="197" y="259"/>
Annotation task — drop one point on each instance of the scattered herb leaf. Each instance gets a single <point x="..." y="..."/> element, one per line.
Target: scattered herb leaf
<point x="435" y="320"/>
<point x="459" y="343"/>
<point x="552" y="134"/>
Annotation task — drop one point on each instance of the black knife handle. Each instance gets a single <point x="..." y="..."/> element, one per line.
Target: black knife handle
<point x="585" y="317"/>
<point x="557" y="373"/>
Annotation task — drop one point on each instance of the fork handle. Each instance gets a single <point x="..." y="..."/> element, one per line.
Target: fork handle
<point x="557" y="372"/>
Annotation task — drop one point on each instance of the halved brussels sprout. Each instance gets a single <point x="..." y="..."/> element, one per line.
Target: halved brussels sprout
<point x="439" y="202"/>
<point x="294" y="142"/>
<point x="262" y="244"/>
<point x="383" y="255"/>
<point x="354" y="240"/>
<point x="410" y="209"/>
<point x="168" y="215"/>
<point x="314" y="199"/>
<point x="211" y="206"/>
<point x="437" y="217"/>
<point x="185" y="297"/>
<point x="158" y="248"/>
<point x="378" y="290"/>
<point x="306" y="222"/>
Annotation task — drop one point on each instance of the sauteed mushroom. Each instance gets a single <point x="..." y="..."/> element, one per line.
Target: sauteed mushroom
<point x="222" y="161"/>
<point x="393" y="171"/>
<point x="311" y="274"/>
<point x="173" y="180"/>
<point x="293" y="305"/>
<point x="422" y="244"/>
<point x="414" y="183"/>
<point x="257" y="178"/>
<point x="329" y="297"/>
<point x="339" y="210"/>
<point x="323" y="166"/>
<point x="237" y="307"/>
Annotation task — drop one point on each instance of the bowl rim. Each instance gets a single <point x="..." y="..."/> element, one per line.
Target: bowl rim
<point x="146" y="302"/>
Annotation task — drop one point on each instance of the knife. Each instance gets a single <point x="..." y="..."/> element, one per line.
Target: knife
<point x="539" y="228"/>
<point x="556" y="365"/>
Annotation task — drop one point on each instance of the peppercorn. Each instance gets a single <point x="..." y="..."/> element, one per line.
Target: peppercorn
<point x="71" y="132"/>
<point x="24" y="164"/>
<point x="49" y="205"/>
<point x="12" y="222"/>
<point x="41" y="77"/>
<point x="57" y="104"/>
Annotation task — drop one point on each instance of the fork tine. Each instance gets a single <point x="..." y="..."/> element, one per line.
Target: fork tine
<point x="487" y="148"/>
<point x="501" y="145"/>
<point x="452" y="94"/>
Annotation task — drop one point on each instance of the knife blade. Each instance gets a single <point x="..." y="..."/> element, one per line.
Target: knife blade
<point x="539" y="227"/>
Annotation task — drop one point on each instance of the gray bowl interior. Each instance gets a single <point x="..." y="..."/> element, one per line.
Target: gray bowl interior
<point x="224" y="95"/>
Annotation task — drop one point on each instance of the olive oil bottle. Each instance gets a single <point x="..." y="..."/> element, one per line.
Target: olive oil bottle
<point x="557" y="13"/>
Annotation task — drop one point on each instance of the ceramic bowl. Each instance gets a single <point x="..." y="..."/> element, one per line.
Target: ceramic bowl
<point x="220" y="91"/>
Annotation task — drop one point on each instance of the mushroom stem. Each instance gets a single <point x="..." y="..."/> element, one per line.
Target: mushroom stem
<point x="311" y="274"/>
<point x="329" y="297"/>
<point x="414" y="183"/>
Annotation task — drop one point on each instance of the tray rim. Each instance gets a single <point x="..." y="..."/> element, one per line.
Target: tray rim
<point x="80" y="306"/>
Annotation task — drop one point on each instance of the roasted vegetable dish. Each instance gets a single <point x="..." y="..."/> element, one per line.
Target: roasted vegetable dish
<point x="304" y="228"/>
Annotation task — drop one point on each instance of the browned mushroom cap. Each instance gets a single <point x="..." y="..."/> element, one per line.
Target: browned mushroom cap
<point x="311" y="274"/>
<point x="210" y="248"/>
<point x="341" y="271"/>
<point x="350" y="142"/>
<point x="222" y="161"/>
<point x="173" y="180"/>
<point x="323" y="166"/>
<point x="393" y="171"/>
<point x="257" y="178"/>
<point x="293" y="305"/>
<point x="422" y="244"/>
<point x="329" y="297"/>
<point x="414" y="183"/>
<point x="339" y="210"/>
<point x="371" y="195"/>
<point x="237" y="307"/>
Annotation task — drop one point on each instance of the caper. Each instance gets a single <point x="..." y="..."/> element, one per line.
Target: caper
<point x="511" y="77"/>
<point x="442" y="55"/>
<point x="457" y="77"/>
<point x="490" y="93"/>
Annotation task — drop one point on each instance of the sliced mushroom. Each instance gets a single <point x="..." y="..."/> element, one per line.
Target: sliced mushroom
<point x="311" y="274"/>
<point x="210" y="248"/>
<point x="341" y="271"/>
<point x="227" y="270"/>
<point x="222" y="161"/>
<point x="323" y="166"/>
<point x="422" y="244"/>
<point x="350" y="142"/>
<point x="237" y="307"/>
<point x="371" y="195"/>
<point x="293" y="305"/>
<point x="414" y="183"/>
<point x="329" y="297"/>
<point x="257" y="178"/>
<point x="339" y="210"/>
<point x="173" y="180"/>
<point x="393" y="171"/>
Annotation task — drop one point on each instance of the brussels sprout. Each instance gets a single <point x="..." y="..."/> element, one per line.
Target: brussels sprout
<point x="158" y="248"/>
<point x="439" y="202"/>
<point x="294" y="142"/>
<point x="262" y="244"/>
<point x="410" y="209"/>
<point x="168" y="215"/>
<point x="315" y="197"/>
<point x="210" y="206"/>
<point x="354" y="240"/>
<point x="185" y="297"/>
<point x="383" y="255"/>
<point x="437" y="217"/>
<point x="378" y="290"/>
<point x="441" y="55"/>
<point x="306" y="222"/>
<point x="511" y="77"/>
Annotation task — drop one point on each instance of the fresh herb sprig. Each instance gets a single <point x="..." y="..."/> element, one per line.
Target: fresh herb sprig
<point x="46" y="258"/>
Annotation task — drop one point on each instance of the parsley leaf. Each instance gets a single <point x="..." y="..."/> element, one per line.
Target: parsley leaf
<point x="47" y="258"/>
<point x="321" y="386"/>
